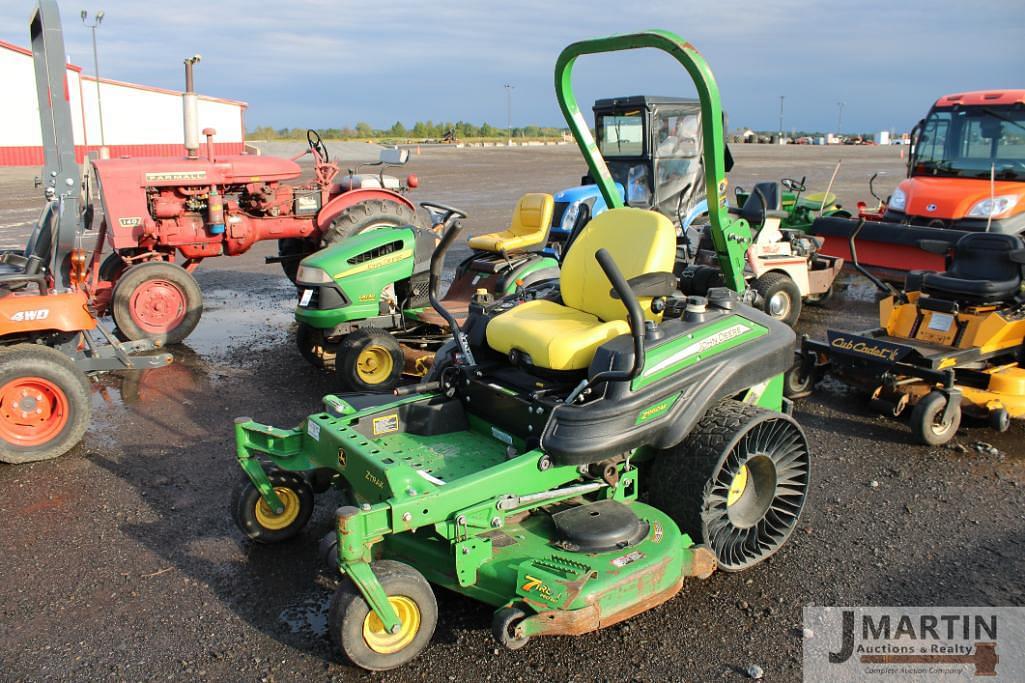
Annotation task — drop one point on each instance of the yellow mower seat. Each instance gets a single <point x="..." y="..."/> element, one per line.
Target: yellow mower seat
<point x="565" y="337"/>
<point x="817" y="199"/>
<point x="530" y="223"/>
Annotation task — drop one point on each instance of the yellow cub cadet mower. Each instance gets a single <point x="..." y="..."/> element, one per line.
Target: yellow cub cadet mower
<point x="950" y="341"/>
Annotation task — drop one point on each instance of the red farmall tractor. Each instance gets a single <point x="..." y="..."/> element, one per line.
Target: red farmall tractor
<point x="163" y="216"/>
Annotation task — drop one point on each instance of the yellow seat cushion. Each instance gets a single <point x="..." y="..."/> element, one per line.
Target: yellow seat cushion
<point x="554" y="336"/>
<point x="530" y="223"/>
<point x="815" y="200"/>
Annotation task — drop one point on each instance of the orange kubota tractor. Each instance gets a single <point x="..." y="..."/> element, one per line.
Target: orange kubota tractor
<point x="47" y="345"/>
<point x="966" y="173"/>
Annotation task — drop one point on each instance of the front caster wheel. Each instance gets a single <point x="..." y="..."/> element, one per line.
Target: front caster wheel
<point x="503" y="627"/>
<point x="737" y="483"/>
<point x="259" y="522"/>
<point x="927" y="423"/>
<point x="798" y="382"/>
<point x="357" y="630"/>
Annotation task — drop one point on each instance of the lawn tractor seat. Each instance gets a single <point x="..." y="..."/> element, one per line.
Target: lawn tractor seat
<point x="816" y="200"/>
<point x="530" y="223"/>
<point x="565" y="336"/>
<point x="987" y="268"/>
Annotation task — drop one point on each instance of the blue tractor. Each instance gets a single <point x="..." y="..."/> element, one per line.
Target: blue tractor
<point x="653" y="149"/>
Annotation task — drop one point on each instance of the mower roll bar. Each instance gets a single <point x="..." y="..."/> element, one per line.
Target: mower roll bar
<point x="454" y="227"/>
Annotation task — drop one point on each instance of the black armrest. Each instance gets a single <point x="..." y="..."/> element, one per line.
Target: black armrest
<point x="1018" y="255"/>
<point x="650" y="284"/>
<point x="13" y="258"/>
<point x="934" y="246"/>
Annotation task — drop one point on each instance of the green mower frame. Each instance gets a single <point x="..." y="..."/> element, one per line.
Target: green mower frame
<point x="523" y="489"/>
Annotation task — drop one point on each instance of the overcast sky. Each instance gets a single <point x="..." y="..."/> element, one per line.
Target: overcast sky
<point x="317" y="63"/>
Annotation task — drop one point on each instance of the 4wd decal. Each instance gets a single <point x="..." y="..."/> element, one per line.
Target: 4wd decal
<point x="30" y="315"/>
<point x="857" y="345"/>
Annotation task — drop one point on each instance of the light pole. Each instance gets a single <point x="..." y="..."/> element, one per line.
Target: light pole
<point x="97" y="20"/>
<point x="839" y="117"/>
<point x="781" y="98"/>
<point x="508" y="110"/>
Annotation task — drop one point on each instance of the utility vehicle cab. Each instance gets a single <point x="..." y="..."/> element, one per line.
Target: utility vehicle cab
<point x="966" y="170"/>
<point x="652" y="146"/>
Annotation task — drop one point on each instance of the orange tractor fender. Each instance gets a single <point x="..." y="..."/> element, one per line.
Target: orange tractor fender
<point x="31" y="313"/>
<point x="343" y="201"/>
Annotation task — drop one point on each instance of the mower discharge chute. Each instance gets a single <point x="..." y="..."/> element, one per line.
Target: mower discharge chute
<point x="577" y="452"/>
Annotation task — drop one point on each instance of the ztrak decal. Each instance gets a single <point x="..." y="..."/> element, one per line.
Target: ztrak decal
<point x="28" y="316"/>
<point x="864" y="346"/>
<point x="175" y="175"/>
<point x="386" y="424"/>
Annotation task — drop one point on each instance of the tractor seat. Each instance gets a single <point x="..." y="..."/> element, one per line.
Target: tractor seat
<point x="565" y="336"/>
<point x="815" y="200"/>
<point x="986" y="269"/>
<point x="530" y="223"/>
<point x="367" y="181"/>
<point x="17" y="268"/>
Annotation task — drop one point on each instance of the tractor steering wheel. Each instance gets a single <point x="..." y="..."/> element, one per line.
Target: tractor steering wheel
<point x="444" y="213"/>
<point x="792" y="185"/>
<point x="317" y="145"/>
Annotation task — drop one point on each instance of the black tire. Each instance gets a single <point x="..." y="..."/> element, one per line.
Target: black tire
<point x="314" y="349"/>
<point x="112" y="267"/>
<point x="167" y="301"/>
<point x="780" y="294"/>
<point x="926" y="424"/>
<point x="374" y="213"/>
<point x="293" y="250"/>
<point x="796" y="383"/>
<point x="349" y="613"/>
<point x="44" y="404"/>
<point x="255" y="518"/>
<point x="369" y="360"/>
<point x="503" y="626"/>
<point x="765" y="452"/>
<point x="1000" y="420"/>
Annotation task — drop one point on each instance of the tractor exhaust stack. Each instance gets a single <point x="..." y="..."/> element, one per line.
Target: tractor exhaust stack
<point x="190" y="110"/>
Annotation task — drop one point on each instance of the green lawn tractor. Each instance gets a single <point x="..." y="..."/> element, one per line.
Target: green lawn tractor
<point x="581" y="452"/>
<point x="363" y="304"/>
<point x="801" y="209"/>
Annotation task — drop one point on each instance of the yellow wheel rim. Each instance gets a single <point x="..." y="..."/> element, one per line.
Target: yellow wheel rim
<point x="382" y="642"/>
<point x="737" y="486"/>
<point x="374" y="364"/>
<point x="272" y="522"/>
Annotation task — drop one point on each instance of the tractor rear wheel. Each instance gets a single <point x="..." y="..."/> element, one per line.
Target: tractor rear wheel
<point x="781" y="298"/>
<point x="737" y="483"/>
<point x="44" y="403"/>
<point x="369" y="360"/>
<point x="156" y="300"/>
<point x="365" y="216"/>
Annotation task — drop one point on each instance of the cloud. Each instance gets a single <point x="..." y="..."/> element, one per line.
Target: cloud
<point x="323" y="63"/>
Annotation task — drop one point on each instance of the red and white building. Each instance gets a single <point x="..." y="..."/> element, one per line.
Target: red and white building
<point x="138" y="120"/>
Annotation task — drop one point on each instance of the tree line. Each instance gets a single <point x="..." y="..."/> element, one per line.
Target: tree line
<point x="421" y="130"/>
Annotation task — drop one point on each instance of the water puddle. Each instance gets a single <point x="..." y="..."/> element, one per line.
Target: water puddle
<point x="308" y="616"/>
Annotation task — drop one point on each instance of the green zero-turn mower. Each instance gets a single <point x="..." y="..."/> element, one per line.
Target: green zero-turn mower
<point x="363" y="303"/>
<point x="581" y="452"/>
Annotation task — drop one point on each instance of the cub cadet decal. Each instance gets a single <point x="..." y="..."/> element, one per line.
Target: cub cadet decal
<point x="27" y="316"/>
<point x="386" y="424"/>
<point x="870" y="348"/>
<point x="130" y="222"/>
<point x="657" y="410"/>
<point x="175" y="175"/>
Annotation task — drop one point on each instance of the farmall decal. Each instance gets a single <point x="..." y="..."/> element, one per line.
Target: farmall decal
<point x="175" y="175"/>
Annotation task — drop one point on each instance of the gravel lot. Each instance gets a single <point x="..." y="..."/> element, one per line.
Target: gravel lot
<point x="121" y="562"/>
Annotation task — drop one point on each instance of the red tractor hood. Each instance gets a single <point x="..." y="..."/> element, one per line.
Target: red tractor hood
<point x="169" y="172"/>
<point x="952" y="198"/>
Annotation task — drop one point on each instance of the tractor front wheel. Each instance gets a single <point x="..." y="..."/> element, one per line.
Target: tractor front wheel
<point x="369" y="360"/>
<point x="312" y="346"/>
<point x="156" y="300"/>
<point x="366" y="216"/>
<point x="259" y="522"/>
<point x="927" y="423"/>
<point x="781" y="298"/>
<point x="737" y="483"/>
<point x="358" y="631"/>
<point x="44" y="404"/>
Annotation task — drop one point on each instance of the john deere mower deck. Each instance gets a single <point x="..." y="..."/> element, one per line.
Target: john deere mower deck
<point x="579" y="452"/>
<point x="948" y="342"/>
